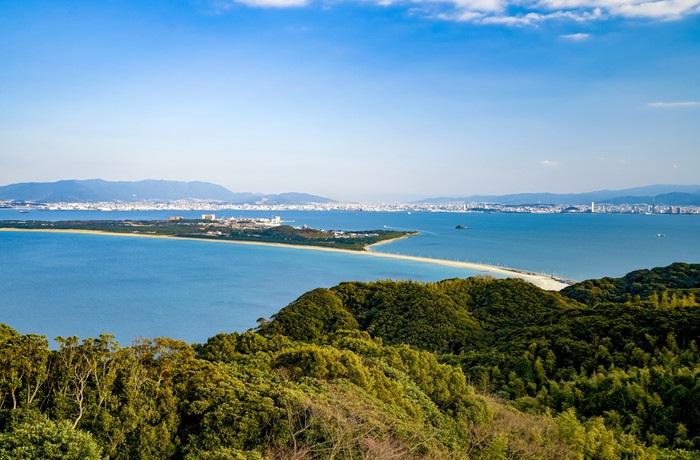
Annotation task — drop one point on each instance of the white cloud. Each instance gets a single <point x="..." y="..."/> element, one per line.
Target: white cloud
<point x="514" y="12"/>
<point x="549" y="163"/>
<point x="665" y="9"/>
<point x="497" y="12"/>
<point x="531" y="12"/>
<point x="576" y="37"/>
<point x="468" y="16"/>
<point x="512" y="20"/>
<point x="526" y="19"/>
<point x="672" y="105"/>
<point x="479" y="5"/>
<point x="521" y="20"/>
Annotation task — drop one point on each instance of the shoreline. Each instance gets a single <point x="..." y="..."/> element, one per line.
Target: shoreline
<point x="369" y="247"/>
<point x="541" y="280"/>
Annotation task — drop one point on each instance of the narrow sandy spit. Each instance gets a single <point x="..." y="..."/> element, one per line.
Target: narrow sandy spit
<point x="541" y="280"/>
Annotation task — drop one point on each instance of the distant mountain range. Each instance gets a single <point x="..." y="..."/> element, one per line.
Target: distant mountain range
<point x="97" y="190"/>
<point x="666" y="195"/>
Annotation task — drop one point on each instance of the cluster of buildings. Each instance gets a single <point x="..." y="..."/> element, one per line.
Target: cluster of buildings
<point x="245" y="223"/>
<point x="240" y="223"/>
<point x="210" y="206"/>
<point x="348" y="235"/>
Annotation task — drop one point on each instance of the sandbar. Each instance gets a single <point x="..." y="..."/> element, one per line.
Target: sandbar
<point x="541" y="280"/>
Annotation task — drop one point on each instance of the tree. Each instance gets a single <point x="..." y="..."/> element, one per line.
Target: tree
<point x="311" y="316"/>
<point x="48" y="440"/>
<point x="23" y="369"/>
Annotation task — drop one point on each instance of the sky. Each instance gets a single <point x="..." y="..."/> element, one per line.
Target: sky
<point x="357" y="100"/>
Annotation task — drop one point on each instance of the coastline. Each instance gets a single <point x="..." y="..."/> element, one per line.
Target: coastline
<point x="541" y="280"/>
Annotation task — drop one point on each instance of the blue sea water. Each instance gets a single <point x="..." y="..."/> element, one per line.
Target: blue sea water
<point x="71" y="284"/>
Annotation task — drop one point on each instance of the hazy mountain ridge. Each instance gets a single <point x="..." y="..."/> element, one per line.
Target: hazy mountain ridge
<point x="662" y="194"/>
<point x="98" y="190"/>
<point x="664" y="199"/>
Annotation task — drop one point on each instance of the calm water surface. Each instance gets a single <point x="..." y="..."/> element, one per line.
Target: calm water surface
<point x="65" y="284"/>
<point x="70" y="284"/>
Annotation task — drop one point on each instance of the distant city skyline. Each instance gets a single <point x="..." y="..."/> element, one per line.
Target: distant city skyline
<point x="361" y="101"/>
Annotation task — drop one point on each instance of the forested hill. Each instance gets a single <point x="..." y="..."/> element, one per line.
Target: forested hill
<point x="629" y="354"/>
<point x="458" y="369"/>
<point x="672" y="286"/>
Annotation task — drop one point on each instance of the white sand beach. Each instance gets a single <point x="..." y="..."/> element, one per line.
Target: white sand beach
<point x="541" y="280"/>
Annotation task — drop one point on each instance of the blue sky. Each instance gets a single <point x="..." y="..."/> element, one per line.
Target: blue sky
<point x="356" y="100"/>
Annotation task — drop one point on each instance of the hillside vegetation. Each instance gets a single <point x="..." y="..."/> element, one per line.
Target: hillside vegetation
<point x="459" y="369"/>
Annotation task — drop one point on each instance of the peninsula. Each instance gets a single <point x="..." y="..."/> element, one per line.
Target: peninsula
<point x="237" y="230"/>
<point x="271" y="232"/>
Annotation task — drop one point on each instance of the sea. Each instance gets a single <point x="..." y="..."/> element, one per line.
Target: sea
<point x="65" y="284"/>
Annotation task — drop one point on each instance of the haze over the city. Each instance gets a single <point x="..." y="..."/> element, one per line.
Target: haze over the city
<point x="371" y="100"/>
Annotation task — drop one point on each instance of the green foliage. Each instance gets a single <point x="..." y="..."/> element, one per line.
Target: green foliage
<point x="223" y="453"/>
<point x="407" y="312"/>
<point x="223" y="407"/>
<point x="380" y="370"/>
<point x="48" y="440"/>
<point x="592" y="439"/>
<point x="445" y="385"/>
<point x="232" y="347"/>
<point x="323" y="363"/>
<point x="668" y="287"/>
<point x="311" y="316"/>
<point x="449" y="316"/>
<point x="513" y="434"/>
<point x="205" y="229"/>
<point x="244" y="396"/>
<point x="629" y="356"/>
<point x="6" y="332"/>
<point x="23" y="362"/>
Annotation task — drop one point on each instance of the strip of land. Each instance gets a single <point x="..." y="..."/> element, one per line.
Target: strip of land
<point x="541" y="280"/>
<point x="234" y="229"/>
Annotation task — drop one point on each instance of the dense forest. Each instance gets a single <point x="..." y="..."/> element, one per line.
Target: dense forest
<point x="472" y="368"/>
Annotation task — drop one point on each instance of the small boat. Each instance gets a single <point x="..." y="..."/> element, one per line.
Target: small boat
<point x="23" y="211"/>
<point x="461" y="227"/>
<point x="660" y="235"/>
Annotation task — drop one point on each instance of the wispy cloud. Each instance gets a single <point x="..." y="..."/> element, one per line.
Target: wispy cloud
<point x="549" y="163"/>
<point x="664" y="9"/>
<point x="576" y="37"/>
<point x="533" y="12"/>
<point x="673" y="105"/>
<point x="514" y="12"/>
<point x="521" y="19"/>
